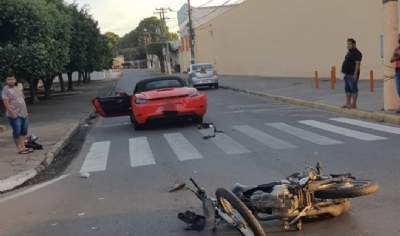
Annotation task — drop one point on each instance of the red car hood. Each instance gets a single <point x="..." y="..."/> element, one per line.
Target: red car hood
<point x="166" y="92"/>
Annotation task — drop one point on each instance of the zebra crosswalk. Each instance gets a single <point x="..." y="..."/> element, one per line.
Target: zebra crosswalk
<point x="141" y="153"/>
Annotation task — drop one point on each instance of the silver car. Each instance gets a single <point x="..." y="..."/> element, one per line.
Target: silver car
<point x="202" y="74"/>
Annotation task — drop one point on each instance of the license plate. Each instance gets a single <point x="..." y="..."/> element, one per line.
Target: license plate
<point x="170" y="107"/>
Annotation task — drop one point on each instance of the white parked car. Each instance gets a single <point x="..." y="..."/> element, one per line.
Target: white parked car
<point x="202" y="74"/>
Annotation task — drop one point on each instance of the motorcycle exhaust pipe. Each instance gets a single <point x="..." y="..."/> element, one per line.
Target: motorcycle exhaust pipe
<point x="333" y="211"/>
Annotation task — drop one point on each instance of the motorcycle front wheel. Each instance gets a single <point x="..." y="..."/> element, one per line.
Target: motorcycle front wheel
<point x="347" y="189"/>
<point x="231" y="205"/>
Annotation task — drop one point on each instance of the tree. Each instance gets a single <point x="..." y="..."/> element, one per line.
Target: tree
<point x="113" y="37"/>
<point x="390" y="30"/>
<point x="31" y="46"/>
<point x="157" y="49"/>
<point x="149" y="27"/>
<point x="40" y="39"/>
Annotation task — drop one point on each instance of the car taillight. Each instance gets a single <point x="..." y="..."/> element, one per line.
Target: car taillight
<point x="215" y="72"/>
<point x="194" y="94"/>
<point x="141" y="101"/>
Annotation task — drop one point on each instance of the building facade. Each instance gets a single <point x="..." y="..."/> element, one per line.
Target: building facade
<point x="292" y="38"/>
<point x="200" y="15"/>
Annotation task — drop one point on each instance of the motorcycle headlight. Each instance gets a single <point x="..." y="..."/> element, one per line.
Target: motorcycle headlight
<point x="141" y="101"/>
<point x="194" y="94"/>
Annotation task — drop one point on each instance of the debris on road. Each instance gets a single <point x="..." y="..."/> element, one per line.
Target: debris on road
<point x="205" y="125"/>
<point x="197" y="221"/>
<point x="81" y="214"/>
<point x="209" y="125"/>
<point x="178" y="185"/>
<point x="54" y="224"/>
<point x="95" y="228"/>
<point x="85" y="175"/>
<point x="102" y="198"/>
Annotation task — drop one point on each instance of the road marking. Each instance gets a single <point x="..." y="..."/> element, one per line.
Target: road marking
<point x="112" y="125"/>
<point x="140" y="152"/>
<point x="183" y="149"/>
<point x="260" y="110"/>
<point x="226" y="143"/>
<point x="251" y="105"/>
<point x="96" y="159"/>
<point x="39" y="186"/>
<point x="369" y="125"/>
<point x="303" y="134"/>
<point x="264" y="138"/>
<point x="342" y="131"/>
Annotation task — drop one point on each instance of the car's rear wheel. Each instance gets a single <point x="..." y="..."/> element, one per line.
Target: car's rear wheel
<point x="216" y="86"/>
<point x="136" y="125"/>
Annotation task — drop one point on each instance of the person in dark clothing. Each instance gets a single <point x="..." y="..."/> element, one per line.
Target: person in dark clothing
<point x="351" y="71"/>
<point x="396" y="58"/>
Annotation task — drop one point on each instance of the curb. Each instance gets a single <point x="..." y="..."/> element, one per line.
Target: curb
<point x="376" y="116"/>
<point x="16" y="180"/>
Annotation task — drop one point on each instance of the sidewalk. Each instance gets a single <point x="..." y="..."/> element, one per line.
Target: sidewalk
<point x="53" y="121"/>
<point x="302" y="91"/>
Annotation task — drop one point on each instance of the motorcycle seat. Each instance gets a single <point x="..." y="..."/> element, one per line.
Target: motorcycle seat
<point x="240" y="188"/>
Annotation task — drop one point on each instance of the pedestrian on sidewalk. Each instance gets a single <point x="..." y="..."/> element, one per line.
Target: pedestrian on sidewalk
<point x="351" y="70"/>
<point x="396" y="58"/>
<point x="17" y="113"/>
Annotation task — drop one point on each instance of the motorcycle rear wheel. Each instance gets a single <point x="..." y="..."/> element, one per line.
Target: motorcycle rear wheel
<point x="229" y="202"/>
<point x="349" y="189"/>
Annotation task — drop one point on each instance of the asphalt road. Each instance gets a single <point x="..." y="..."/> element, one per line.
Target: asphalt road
<point x="259" y="145"/>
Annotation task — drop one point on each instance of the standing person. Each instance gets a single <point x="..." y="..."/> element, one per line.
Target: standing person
<point x="351" y="71"/>
<point x="17" y="113"/>
<point x="396" y="58"/>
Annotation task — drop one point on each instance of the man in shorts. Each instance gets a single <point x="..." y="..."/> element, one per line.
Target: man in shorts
<point x="17" y="113"/>
<point x="351" y="71"/>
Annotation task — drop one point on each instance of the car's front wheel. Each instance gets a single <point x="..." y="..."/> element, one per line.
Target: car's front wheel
<point x="136" y="125"/>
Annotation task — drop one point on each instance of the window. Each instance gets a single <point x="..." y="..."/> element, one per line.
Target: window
<point x="199" y="67"/>
<point x="163" y="84"/>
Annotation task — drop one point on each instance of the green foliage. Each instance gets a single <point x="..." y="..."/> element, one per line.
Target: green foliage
<point x="112" y="37"/>
<point x="43" y="38"/>
<point x="132" y="45"/>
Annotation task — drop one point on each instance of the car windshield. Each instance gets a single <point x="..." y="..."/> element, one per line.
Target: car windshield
<point x="200" y="67"/>
<point x="168" y="83"/>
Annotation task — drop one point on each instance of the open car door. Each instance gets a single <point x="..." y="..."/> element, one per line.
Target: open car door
<point x="113" y="106"/>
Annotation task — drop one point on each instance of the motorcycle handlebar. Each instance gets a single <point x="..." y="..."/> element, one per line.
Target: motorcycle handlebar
<point x="194" y="183"/>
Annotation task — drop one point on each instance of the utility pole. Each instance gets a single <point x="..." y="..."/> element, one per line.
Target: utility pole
<point x="167" y="60"/>
<point x="191" y="33"/>
<point x="390" y="37"/>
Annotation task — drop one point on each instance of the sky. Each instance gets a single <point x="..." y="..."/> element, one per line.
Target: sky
<point x="122" y="16"/>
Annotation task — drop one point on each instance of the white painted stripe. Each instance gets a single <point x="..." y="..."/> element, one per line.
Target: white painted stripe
<point x="264" y="138"/>
<point x="112" y="125"/>
<point x="304" y="134"/>
<point x="261" y="110"/>
<point x="226" y="143"/>
<point x="96" y="159"/>
<point x="183" y="149"/>
<point x="342" y="131"/>
<point x="369" y="125"/>
<point x="29" y="190"/>
<point x="140" y="152"/>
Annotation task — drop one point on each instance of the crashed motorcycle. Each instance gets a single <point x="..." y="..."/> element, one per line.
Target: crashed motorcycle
<point x="305" y="194"/>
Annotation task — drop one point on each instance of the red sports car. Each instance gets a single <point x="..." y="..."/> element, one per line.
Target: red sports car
<point x="154" y="100"/>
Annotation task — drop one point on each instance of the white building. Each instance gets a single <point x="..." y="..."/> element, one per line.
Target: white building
<point x="200" y="15"/>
